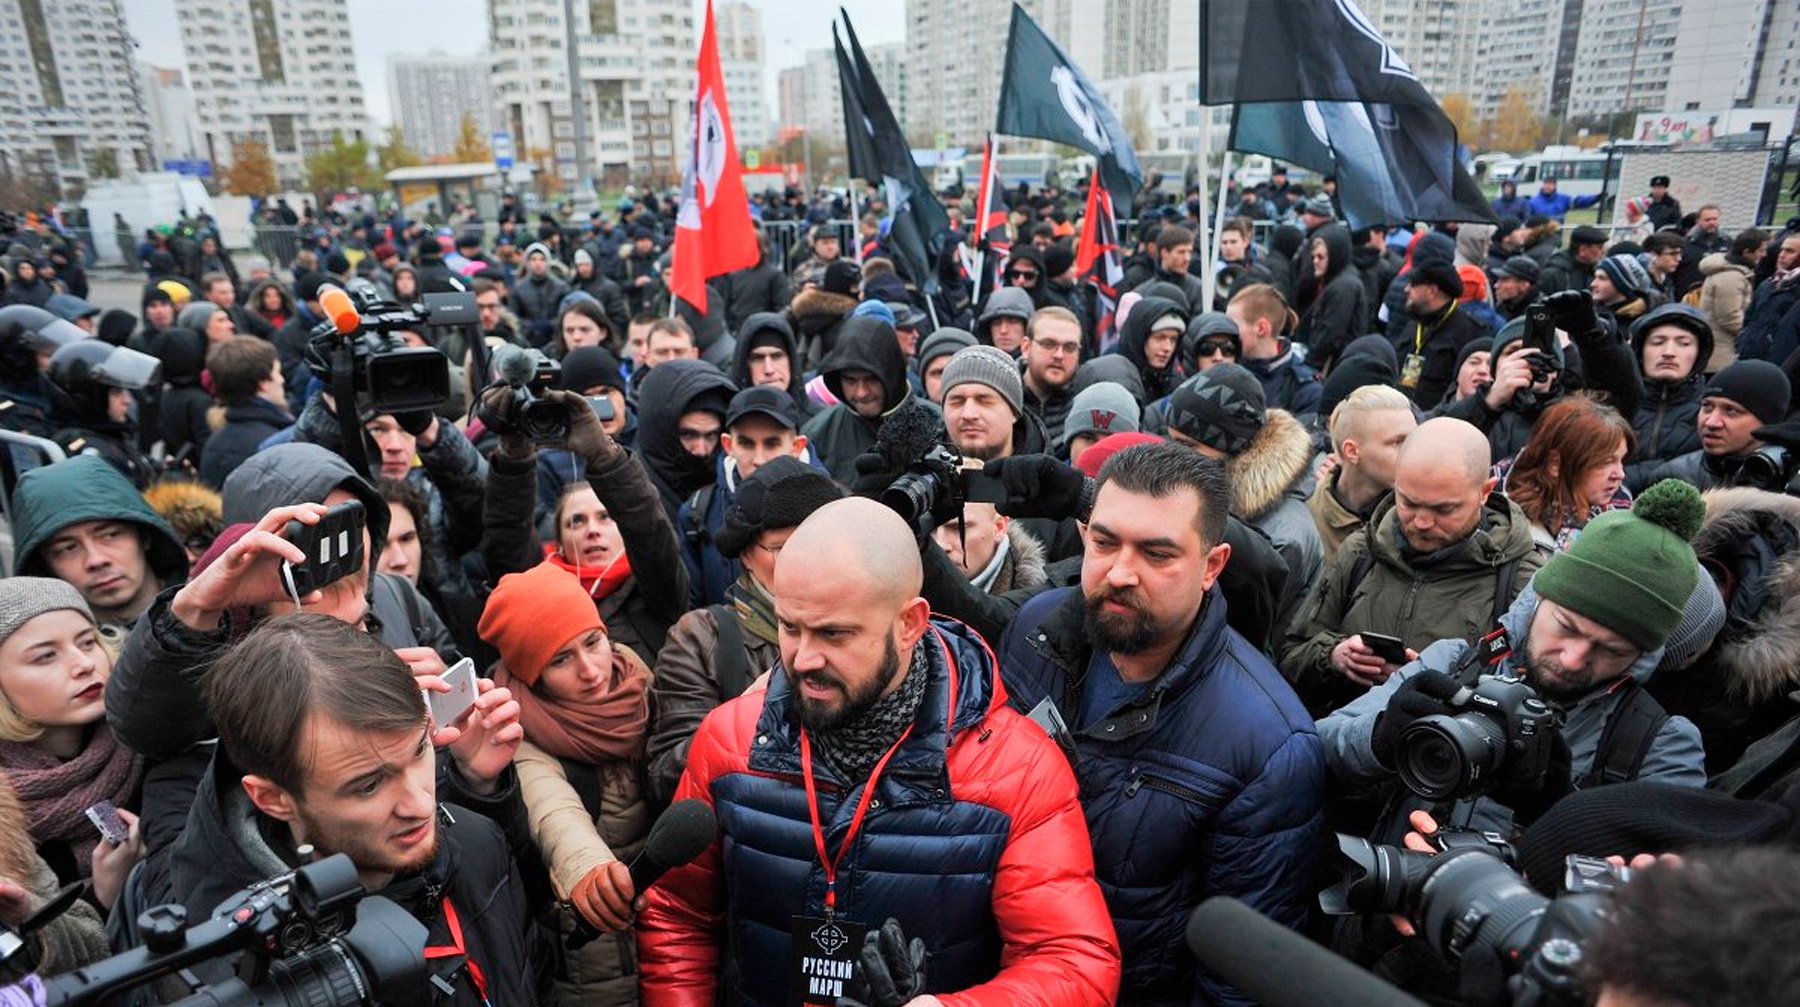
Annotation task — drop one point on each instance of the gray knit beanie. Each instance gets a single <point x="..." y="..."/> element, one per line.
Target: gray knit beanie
<point x="23" y="599"/>
<point x="986" y="365"/>
<point x="1100" y="409"/>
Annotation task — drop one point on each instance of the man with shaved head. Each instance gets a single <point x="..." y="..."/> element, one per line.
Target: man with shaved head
<point x="1200" y="772"/>
<point x="880" y="779"/>
<point x="1440" y="559"/>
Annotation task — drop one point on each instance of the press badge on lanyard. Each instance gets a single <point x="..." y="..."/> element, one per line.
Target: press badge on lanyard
<point x="1411" y="370"/>
<point x="824" y="949"/>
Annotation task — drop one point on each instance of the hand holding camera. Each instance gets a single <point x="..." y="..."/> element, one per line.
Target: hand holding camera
<point x="1426" y="694"/>
<point x="1038" y="486"/>
<point x="1572" y="311"/>
<point x="1512" y="375"/>
<point x="249" y="573"/>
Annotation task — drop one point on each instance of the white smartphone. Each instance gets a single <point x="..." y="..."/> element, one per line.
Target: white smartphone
<point x="448" y="707"/>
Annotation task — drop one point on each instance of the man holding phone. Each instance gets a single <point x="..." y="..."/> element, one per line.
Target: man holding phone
<point x="1440" y="559"/>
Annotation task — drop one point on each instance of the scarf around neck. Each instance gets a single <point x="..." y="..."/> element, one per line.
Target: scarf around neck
<point x="755" y="608"/>
<point x="611" y="728"/>
<point x="853" y="749"/>
<point x="57" y="794"/>
<point x="599" y="582"/>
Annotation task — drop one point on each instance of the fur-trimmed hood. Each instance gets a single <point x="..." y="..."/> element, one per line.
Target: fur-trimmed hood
<point x="1758" y="654"/>
<point x="1026" y="563"/>
<point x="1276" y="460"/>
<point x="813" y="310"/>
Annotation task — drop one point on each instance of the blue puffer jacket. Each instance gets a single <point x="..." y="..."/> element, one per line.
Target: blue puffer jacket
<point x="973" y="842"/>
<point x="1211" y="784"/>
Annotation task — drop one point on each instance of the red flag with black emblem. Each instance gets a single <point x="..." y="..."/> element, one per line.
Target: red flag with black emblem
<point x="713" y="232"/>
<point x="1097" y="260"/>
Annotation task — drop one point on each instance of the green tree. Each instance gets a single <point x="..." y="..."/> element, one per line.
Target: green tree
<point x="394" y="153"/>
<point x="343" y="165"/>
<point x="251" y="171"/>
<point x="471" y="145"/>
<point x="104" y="164"/>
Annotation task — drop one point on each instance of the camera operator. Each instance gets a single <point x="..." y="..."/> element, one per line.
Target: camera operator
<point x="1739" y="399"/>
<point x="1531" y="370"/>
<point x="1585" y="635"/>
<point x="325" y="746"/>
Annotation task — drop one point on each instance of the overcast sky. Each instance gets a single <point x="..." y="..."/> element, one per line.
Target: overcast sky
<point x="380" y="27"/>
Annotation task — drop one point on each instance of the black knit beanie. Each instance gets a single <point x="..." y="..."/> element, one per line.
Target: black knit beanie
<point x="780" y="494"/>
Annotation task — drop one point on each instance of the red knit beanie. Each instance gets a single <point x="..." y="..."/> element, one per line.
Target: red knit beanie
<point x="531" y="615"/>
<point x="1096" y="454"/>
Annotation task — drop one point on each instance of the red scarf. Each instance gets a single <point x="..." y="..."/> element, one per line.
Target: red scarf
<point x="599" y="582"/>
<point x="609" y="729"/>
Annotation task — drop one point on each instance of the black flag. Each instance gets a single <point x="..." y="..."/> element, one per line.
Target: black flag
<point x="1317" y="85"/>
<point x="1045" y="95"/>
<point x="879" y="154"/>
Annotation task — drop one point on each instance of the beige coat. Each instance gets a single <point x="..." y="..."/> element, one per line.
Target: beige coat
<point x="1724" y="296"/>
<point x="574" y="842"/>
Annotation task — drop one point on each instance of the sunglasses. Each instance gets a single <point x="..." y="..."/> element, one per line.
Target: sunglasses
<point x="1021" y="274"/>
<point x="1210" y="347"/>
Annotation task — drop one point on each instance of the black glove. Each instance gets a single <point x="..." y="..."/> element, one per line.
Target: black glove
<point x="415" y="422"/>
<point x="1422" y="695"/>
<point x="875" y="472"/>
<point x="1040" y="486"/>
<point x="1573" y="312"/>
<point x="1529" y="799"/>
<point x="496" y="409"/>
<point x="890" y="970"/>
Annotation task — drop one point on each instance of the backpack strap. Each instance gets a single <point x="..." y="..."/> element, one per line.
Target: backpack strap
<point x="730" y="662"/>
<point x="1625" y="741"/>
<point x="694" y="530"/>
<point x="1503" y="588"/>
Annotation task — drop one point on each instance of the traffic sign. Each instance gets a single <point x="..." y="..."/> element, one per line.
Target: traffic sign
<point x="503" y="150"/>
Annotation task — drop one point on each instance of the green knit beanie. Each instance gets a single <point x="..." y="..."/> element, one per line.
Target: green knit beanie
<point x="1632" y="570"/>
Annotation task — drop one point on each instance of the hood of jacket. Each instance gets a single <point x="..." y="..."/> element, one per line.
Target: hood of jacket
<point x="1472" y="241"/>
<point x="1111" y="367"/>
<point x="1434" y="246"/>
<point x="761" y="322"/>
<point x="1027" y="562"/>
<point x="1759" y="653"/>
<point x="1279" y="458"/>
<point x="1156" y="382"/>
<point x="1337" y="250"/>
<point x="295" y="473"/>
<point x="868" y="344"/>
<point x="1503" y="535"/>
<point x="1719" y="262"/>
<point x="816" y="310"/>
<point x="1367" y="360"/>
<point x="668" y="391"/>
<point x="86" y="488"/>
<point x="1007" y="302"/>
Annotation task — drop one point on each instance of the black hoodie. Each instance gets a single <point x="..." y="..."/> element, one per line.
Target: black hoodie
<point x="184" y="403"/>
<point x="1340" y="312"/>
<point x="772" y="322"/>
<point x="840" y="433"/>
<point x="668" y="391"/>
<point x="1157" y="382"/>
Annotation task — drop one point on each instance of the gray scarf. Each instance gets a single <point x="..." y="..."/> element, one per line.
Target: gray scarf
<point x="853" y="749"/>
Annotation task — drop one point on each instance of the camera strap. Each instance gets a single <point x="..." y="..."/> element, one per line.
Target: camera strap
<point x="1483" y="656"/>
<point x="343" y="390"/>
<point x="458" y="947"/>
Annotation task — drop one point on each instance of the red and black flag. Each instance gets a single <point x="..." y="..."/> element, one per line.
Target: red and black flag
<point x="1097" y="261"/>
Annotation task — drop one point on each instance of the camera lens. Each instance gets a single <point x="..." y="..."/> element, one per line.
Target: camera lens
<point x="1442" y="756"/>
<point x="1470" y="898"/>
<point x="910" y="495"/>
<point x="544" y="422"/>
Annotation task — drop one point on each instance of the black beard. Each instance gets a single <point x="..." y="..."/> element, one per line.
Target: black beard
<point x="820" y="720"/>
<point x="1118" y="634"/>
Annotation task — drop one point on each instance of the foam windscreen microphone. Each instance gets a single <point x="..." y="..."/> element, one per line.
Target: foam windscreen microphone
<point x="339" y="308"/>
<point x="905" y="436"/>
<point x="1278" y="967"/>
<point x="681" y="834"/>
<point x="514" y="366"/>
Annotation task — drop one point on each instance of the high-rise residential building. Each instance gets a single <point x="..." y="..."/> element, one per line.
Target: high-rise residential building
<point x="956" y="48"/>
<point x="282" y="72"/>
<point x="1440" y="39"/>
<point x="174" y="128"/>
<point x="636" y="78"/>
<point x="1623" y="56"/>
<point x="1736" y="53"/>
<point x="790" y="98"/>
<point x="71" y="103"/>
<point x="1522" y="40"/>
<point x="741" y="59"/>
<point x="820" y="109"/>
<point x="430" y="94"/>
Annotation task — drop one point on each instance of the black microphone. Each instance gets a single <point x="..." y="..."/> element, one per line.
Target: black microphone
<point x="1278" y="967"/>
<point x="906" y="435"/>
<point x="681" y="834"/>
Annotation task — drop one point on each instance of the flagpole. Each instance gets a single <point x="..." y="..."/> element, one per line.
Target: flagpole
<point x="1208" y="242"/>
<point x="981" y="216"/>
<point x="1212" y="258"/>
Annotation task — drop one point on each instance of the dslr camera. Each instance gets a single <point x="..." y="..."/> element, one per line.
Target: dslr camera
<point x="305" y="938"/>
<point x="1470" y="904"/>
<point x="359" y="348"/>
<point x="1502" y="732"/>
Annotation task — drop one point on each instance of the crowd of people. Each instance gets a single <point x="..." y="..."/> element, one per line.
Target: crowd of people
<point x="998" y="629"/>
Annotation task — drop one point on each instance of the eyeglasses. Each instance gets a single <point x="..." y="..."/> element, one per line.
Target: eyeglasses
<point x="1054" y="347"/>
<point x="772" y="550"/>
<point x="1021" y="274"/>
<point x="1212" y="347"/>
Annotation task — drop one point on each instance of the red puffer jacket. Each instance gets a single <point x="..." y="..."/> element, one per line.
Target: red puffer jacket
<point x="974" y="842"/>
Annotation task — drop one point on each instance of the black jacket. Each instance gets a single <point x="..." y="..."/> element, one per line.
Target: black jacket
<point x="1438" y="340"/>
<point x="667" y="391"/>
<point x="1564" y="272"/>
<point x="840" y="433"/>
<point x="777" y="323"/>
<point x="748" y="292"/>
<point x="1340" y="312"/>
<point x="1666" y="424"/>
<point x="246" y="427"/>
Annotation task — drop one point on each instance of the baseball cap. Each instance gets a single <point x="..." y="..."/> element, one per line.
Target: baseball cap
<point x="762" y="400"/>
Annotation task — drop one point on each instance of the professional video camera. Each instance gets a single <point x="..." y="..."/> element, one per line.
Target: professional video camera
<point x="357" y="349"/>
<point x="1503" y="733"/>
<point x="936" y="482"/>
<point x="310" y="937"/>
<point x="1513" y="945"/>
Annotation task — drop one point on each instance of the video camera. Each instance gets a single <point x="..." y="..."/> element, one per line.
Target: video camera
<point x="357" y="348"/>
<point x="529" y="373"/>
<point x="1512" y="945"/>
<point x="310" y="937"/>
